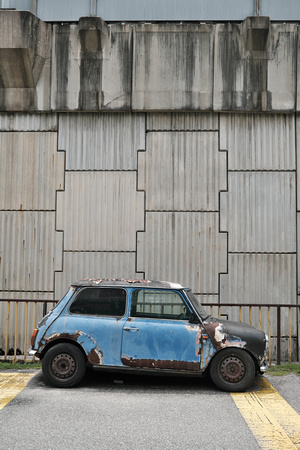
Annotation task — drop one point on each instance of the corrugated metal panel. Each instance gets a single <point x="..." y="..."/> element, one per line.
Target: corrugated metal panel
<point x="61" y="11"/>
<point x="100" y="211"/>
<point x="30" y="251"/>
<point x="260" y="279"/>
<point x="258" y="141"/>
<point x="259" y="212"/>
<point x="208" y="299"/>
<point x="80" y="265"/>
<point x="182" y="121"/>
<point x="185" y="247"/>
<point x="101" y="141"/>
<point x="182" y="171"/>
<point x="31" y="171"/>
<point x="28" y="122"/>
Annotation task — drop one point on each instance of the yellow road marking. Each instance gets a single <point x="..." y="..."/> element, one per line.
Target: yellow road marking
<point x="273" y="422"/>
<point x="11" y="384"/>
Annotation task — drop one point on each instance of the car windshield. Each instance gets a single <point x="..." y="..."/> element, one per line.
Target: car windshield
<point x="197" y="305"/>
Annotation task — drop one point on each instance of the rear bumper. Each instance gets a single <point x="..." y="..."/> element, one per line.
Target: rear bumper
<point x="31" y="352"/>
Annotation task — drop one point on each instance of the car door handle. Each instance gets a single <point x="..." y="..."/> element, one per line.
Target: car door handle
<point x="130" y="329"/>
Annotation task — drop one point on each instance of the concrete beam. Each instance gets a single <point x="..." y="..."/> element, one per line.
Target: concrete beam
<point x="248" y="66"/>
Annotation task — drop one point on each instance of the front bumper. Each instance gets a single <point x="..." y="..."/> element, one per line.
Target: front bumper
<point x="264" y="364"/>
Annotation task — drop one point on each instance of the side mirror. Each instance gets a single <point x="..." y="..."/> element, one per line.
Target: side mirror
<point x="194" y="318"/>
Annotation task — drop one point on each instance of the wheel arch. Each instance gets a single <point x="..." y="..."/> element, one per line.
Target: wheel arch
<point x="62" y="340"/>
<point x="84" y="341"/>
<point x="236" y="347"/>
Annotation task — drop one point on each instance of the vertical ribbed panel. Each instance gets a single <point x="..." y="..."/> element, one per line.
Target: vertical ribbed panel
<point x="101" y="141"/>
<point x="100" y="211"/>
<point x="80" y="265"/>
<point x="185" y="247"/>
<point x="260" y="279"/>
<point x="182" y="171"/>
<point x="31" y="171"/>
<point x="28" y="122"/>
<point x="259" y="212"/>
<point x="258" y="141"/>
<point x="182" y="121"/>
<point x="298" y="159"/>
<point x="30" y="251"/>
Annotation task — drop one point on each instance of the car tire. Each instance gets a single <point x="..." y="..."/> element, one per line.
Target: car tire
<point x="232" y="370"/>
<point x="63" y="365"/>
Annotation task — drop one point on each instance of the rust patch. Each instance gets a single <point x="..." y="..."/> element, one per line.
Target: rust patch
<point x="214" y="331"/>
<point x="159" y="364"/>
<point x="95" y="357"/>
<point x="220" y="338"/>
<point x="55" y="336"/>
<point x="104" y="280"/>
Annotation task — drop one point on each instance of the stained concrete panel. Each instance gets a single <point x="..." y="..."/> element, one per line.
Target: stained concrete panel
<point x="172" y="67"/>
<point x="254" y="75"/>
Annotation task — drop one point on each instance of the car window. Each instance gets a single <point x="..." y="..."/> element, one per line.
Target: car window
<point x="100" y="302"/>
<point x="158" y="304"/>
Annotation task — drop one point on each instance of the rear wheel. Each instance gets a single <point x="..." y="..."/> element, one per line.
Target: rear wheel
<point x="232" y="370"/>
<point x="63" y="365"/>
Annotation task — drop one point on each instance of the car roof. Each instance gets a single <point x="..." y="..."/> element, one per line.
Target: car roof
<point x="121" y="282"/>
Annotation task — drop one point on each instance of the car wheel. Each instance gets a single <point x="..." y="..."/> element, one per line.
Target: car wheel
<point x="232" y="370"/>
<point x="63" y="365"/>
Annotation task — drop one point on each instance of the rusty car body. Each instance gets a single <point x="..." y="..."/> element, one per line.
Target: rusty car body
<point x="144" y="326"/>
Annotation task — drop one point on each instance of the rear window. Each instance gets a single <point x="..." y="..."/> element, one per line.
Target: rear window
<point x="100" y="302"/>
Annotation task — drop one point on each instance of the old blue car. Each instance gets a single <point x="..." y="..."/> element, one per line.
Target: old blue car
<point x="144" y="326"/>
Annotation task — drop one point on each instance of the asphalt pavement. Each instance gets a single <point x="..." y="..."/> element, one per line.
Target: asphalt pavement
<point x="108" y="411"/>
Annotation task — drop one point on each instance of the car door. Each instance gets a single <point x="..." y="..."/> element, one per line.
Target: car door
<point x="96" y="317"/>
<point x="158" y="333"/>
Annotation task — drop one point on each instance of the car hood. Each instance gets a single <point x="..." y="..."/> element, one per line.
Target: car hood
<point x="225" y="333"/>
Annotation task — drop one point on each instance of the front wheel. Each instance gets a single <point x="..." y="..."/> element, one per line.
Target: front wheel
<point x="232" y="370"/>
<point x="63" y="365"/>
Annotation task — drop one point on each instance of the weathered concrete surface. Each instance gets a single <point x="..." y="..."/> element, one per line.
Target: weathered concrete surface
<point x="24" y="48"/>
<point x="248" y="66"/>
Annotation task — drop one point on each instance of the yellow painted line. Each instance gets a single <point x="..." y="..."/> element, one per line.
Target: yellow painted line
<point x="273" y="422"/>
<point x="11" y="384"/>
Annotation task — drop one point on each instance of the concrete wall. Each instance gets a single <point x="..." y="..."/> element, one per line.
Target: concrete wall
<point x="149" y="151"/>
<point x="91" y="66"/>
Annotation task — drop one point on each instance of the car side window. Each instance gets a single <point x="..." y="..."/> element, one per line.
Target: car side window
<point x="100" y="302"/>
<point x="158" y="304"/>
